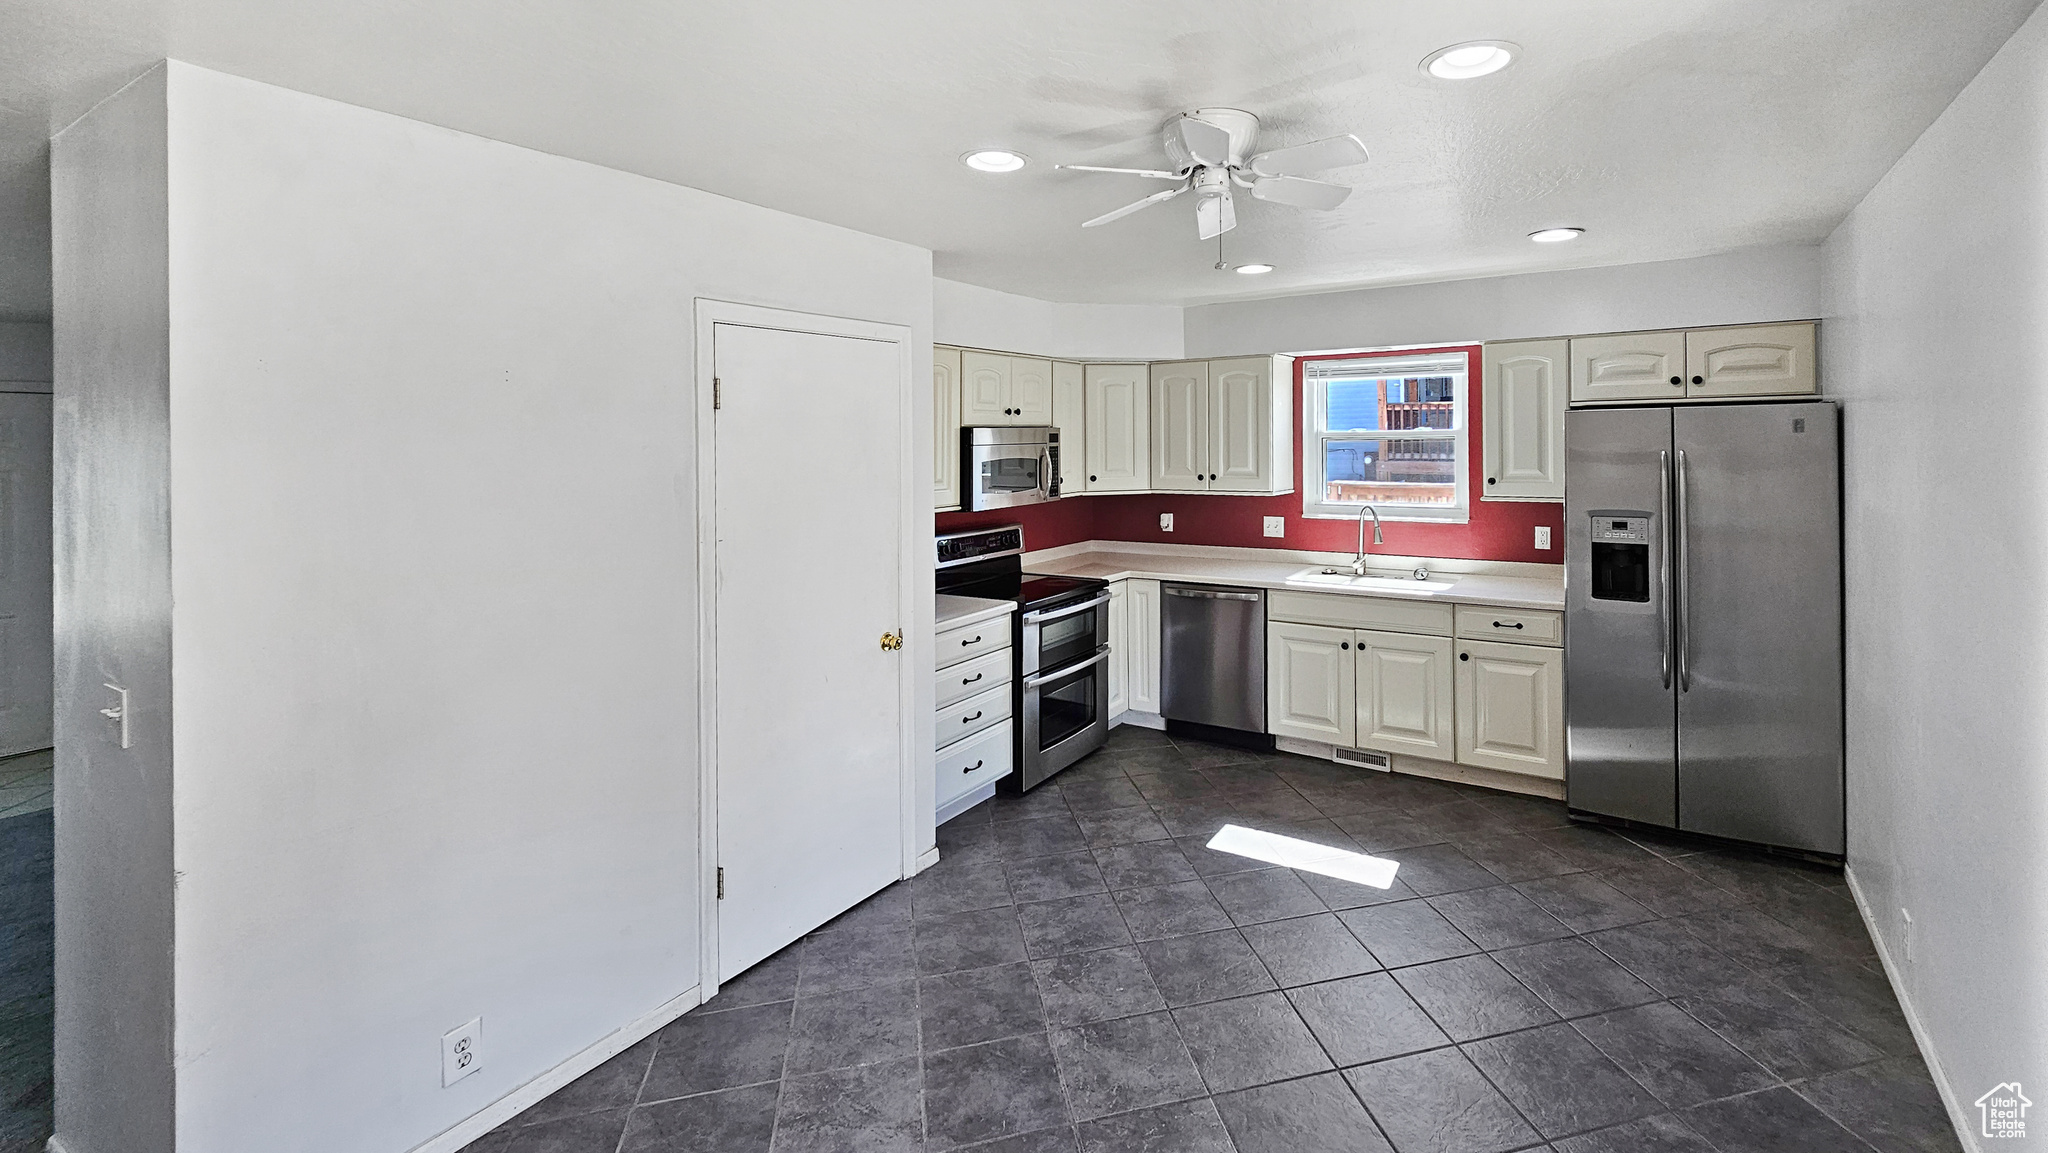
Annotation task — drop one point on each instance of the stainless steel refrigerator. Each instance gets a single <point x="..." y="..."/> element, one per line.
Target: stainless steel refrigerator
<point x="1703" y="620"/>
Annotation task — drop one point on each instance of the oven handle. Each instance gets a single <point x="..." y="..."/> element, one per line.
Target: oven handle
<point x="1101" y="655"/>
<point x="1036" y="618"/>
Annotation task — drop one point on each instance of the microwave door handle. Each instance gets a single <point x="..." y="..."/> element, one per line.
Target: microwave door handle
<point x="1038" y="618"/>
<point x="1664" y="562"/>
<point x="1047" y="480"/>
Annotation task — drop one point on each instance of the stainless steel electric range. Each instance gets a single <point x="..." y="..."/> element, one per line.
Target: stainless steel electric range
<point x="1061" y="641"/>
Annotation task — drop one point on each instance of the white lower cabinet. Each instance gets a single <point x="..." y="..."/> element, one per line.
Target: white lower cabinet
<point x="981" y="759"/>
<point x="1404" y="694"/>
<point x="1311" y="683"/>
<point x="1511" y="708"/>
<point x="1141" y="616"/>
<point x="971" y="725"/>
<point x="1119" y="654"/>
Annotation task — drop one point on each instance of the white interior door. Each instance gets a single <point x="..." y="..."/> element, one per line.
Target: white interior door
<point x="809" y="740"/>
<point x="25" y="669"/>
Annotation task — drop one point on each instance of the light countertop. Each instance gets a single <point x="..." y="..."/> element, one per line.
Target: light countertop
<point x="954" y="610"/>
<point x="1519" y="592"/>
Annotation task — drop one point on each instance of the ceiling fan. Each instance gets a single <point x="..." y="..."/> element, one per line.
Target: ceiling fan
<point x="1208" y="148"/>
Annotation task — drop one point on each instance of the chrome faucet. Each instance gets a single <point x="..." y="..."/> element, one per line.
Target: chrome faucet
<point x="1358" y="565"/>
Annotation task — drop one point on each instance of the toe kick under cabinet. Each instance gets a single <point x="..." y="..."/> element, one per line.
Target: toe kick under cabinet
<point x="1466" y="683"/>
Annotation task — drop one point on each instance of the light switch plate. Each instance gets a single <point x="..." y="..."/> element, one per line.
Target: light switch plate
<point x="1165" y="522"/>
<point x="1543" y="536"/>
<point x="1276" y="526"/>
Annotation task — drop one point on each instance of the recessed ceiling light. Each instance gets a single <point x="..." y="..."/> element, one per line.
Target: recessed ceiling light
<point x="1553" y="235"/>
<point x="1470" y="60"/>
<point x="993" y="160"/>
<point x="1253" y="269"/>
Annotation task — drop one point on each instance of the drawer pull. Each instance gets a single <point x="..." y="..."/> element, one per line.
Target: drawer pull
<point x="1516" y="625"/>
<point x="974" y="718"/>
<point x="975" y="765"/>
<point x="978" y="676"/>
<point x="975" y="641"/>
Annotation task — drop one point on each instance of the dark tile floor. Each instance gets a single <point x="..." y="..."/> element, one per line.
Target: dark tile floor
<point x="1081" y="973"/>
<point x="27" y="923"/>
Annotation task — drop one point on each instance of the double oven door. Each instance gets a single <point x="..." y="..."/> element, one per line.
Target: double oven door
<point x="1063" y="685"/>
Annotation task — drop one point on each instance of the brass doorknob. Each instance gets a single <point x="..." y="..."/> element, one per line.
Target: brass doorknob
<point x="891" y="642"/>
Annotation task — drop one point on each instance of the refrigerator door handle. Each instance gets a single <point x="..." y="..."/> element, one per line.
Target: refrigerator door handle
<point x="1684" y="584"/>
<point x="1664" y="567"/>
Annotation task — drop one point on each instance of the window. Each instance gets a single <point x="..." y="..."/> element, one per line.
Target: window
<point x="1389" y="431"/>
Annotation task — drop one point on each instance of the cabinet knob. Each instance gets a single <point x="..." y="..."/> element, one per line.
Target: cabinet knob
<point x="1489" y="480"/>
<point x="1678" y="380"/>
<point x="1091" y="476"/>
<point x="1464" y="656"/>
<point x="1699" y="380"/>
<point x="1345" y="646"/>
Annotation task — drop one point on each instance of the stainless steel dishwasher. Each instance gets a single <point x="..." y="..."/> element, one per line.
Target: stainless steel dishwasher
<point x="1212" y="656"/>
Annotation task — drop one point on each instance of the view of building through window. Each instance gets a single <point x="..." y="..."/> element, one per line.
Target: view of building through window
<point x="1391" y="470"/>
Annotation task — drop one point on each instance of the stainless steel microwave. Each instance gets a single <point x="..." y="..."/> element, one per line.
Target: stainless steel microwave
<point x="1001" y="467"/>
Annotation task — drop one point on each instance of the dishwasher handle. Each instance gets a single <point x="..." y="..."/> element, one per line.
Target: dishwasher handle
<point x="1211" y="594"/>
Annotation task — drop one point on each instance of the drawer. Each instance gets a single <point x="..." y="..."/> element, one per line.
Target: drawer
<point x="965" y="718"/>
<point x="964" y="766"/>
<point x="956" y="645"/>
<point x="1356" y="612"/>
<point x="974" y="675"/>
<point x="1517" y="626"/>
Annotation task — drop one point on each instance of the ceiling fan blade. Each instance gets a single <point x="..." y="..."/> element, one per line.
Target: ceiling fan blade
<point x="1215" y="214"/>
<point x="1299" y="192"/>
<point x="1154" y="173"/>
<point x="1134" y="206"/>
<point x="1208" y="144"/>
<point x="1317" y="156"/>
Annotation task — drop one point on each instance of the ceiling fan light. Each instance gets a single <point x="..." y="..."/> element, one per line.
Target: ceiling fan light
<point x="1556" y="235"/>
<point x="1252" y="269"/>
<point x="993" y="160"/>
<point x="1470" y="60"/>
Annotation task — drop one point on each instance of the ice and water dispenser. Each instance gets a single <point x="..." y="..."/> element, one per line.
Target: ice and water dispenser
<point x="1621" y="555"/>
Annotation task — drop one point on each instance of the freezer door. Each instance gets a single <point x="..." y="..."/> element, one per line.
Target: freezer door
<point x="1620" y="714"/>
<point x="1760" y="615"/>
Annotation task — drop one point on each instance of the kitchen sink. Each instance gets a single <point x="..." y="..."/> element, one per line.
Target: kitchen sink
<point x="1342" y="578"/>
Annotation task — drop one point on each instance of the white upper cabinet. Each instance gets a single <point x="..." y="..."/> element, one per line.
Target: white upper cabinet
<point x="984" y="389"/>
<point x="1180" y="427"/>
<point x="1069" y="404"/>
<point x="1757" y="360"/>
<point x="945" y="428"/>
<point x="1511" y="708"/>
<point x="1311" y="686"/>
<point x="1631" y="366"/>
<point x="1521" y="412"/>
<point x="1030" y="391"/>
<point x="1116" y="446"/>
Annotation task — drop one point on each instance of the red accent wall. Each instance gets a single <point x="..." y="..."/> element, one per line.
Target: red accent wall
<point x="1499" y="530"/>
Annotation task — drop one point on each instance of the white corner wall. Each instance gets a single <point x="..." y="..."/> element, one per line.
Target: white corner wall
<point x="1750" y="285"/>
<point x="432" y="498"/>
<point x="1937" y="305"/>
<point x="977" y="317"/>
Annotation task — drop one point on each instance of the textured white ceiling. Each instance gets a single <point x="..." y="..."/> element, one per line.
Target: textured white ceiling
<point x="1666" y="129"/>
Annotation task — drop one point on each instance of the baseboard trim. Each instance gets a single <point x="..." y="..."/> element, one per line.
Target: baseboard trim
<point x="1141" y="720"/>
<point x="1958" y="1115"/>
<point x="518" y="1100"/>
<point x="1436" y="770"/>
<point x="926" y="860"/>
<point x="54" y="1146"/>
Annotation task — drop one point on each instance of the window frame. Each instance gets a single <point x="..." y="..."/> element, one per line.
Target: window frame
<point x="1315" y="374"/>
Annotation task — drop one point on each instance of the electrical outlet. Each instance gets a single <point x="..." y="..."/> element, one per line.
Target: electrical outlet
<point x="1165" y="522"/>
<point x="1276" y="526"/>
<point x="1542" y="536"/>
<point x="461" y="1051"/>
<point x="1906" y="934"/>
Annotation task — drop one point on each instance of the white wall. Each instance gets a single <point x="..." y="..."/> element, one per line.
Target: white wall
<point x="1756" y="284"/>
<point x="977" y="317"/>
<point x="110" y="420"/>
<point x="25" y="355"/>
<point x="1937" y="302"/>
<point x="433" y="492"/>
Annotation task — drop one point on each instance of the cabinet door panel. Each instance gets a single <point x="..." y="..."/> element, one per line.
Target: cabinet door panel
<point x="1142" y="603"/>
<point x="984" y="388"/>
<point x="1311" y="684"/>
<point x="1404" y="694"/>
<point x="1522" y="420"/>
<point x="1030" y="391"/>
<point x="1759" y="360"/>
<point x="1511" y="708"/>
<point x="1180" y="427"/>
<point x="1241" y="424"/>
<point x="1119" y="650"/>
<point x="1069" y="404"/>
<point x="1117" y="446"/>
<point x="945" y="428"/>
<point x="1632" y="366"/>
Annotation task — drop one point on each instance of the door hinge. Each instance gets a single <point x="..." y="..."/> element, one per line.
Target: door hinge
<point x="721" y="882"/>
<point x="717" y="394"/>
